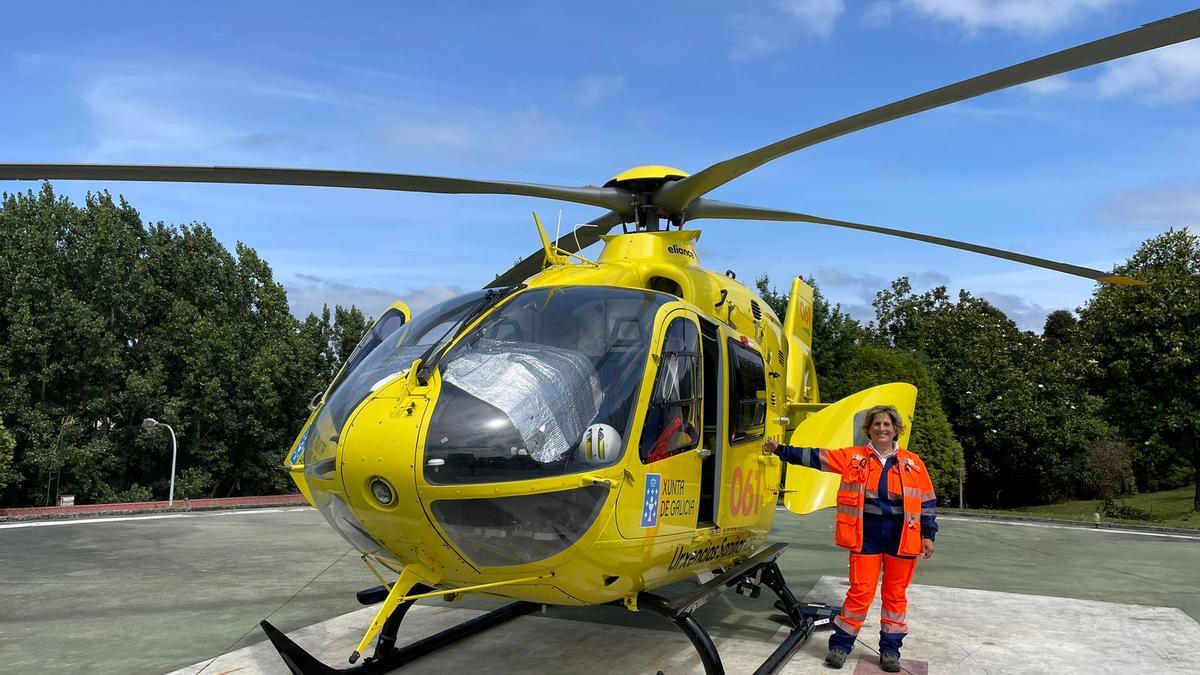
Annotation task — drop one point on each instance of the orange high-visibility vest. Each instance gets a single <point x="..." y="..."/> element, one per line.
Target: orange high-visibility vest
<point x="860" y="473"/>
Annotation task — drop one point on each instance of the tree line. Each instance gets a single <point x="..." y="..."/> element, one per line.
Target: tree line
<point x="106" y="320"/>
<point x="1098" y="404"/>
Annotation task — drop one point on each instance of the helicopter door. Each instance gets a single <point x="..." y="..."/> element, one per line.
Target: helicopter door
<point x="710" y="435"/>
<point x="668" y="468"/>
<point x="745" y="477"/>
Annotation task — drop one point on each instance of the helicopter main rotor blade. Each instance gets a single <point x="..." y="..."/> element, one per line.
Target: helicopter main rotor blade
<point x="709" y="208"/>
<point x="571" y="242"/>
<point x="608" y="198"/>
<point x="677" y="195"/>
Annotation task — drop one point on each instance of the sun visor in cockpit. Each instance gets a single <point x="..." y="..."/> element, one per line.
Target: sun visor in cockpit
<point x="549" y="394"/>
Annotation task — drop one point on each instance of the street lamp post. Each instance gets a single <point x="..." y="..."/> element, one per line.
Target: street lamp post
<point x="150" y="423"/>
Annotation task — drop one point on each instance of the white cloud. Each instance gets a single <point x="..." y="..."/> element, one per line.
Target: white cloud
<point x="862" y="313"/>
<point x="1051" y="85"/>
<point x="1165" y="75"/>
<point x="834" y="278"/>
<point x="930" y="279"/>
<point x="1026" y="314"/>
<point x="1152" y="208"/>
<point x="1026" y="17"/>
<point x="879" y="13"/>
<point x="128" y="118"/>
<point x="595" y="88"/>
<point x="767" y="32"/>
<point x="816" y="16"/>
<point x="469" y="135"/>
<point x="307" y="293"/>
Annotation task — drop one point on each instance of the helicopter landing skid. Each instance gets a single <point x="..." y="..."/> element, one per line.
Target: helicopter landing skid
<point x="388" y="656"/>
<point x="747" y="577"/>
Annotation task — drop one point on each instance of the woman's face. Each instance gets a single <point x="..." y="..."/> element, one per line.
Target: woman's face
<point x="882" y="431"/>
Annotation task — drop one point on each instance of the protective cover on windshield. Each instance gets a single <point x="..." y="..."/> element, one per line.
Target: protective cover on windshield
<point x="544" y="385"/>
<point x="547" y="393"/>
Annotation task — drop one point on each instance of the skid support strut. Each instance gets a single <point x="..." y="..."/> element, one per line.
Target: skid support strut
<point x="388" y="656"/>
<point x="747" y="577"/>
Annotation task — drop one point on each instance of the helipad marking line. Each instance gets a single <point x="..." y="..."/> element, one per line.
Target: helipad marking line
<point x="160" y="516"/>
<point x="87" y="521"/>
<point x="1052" y="526"/>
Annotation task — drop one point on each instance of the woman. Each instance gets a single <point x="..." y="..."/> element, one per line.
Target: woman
<point x="885" y="518"/>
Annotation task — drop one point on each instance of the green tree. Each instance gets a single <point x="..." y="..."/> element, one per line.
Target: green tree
<point x="1061" y="327"/>
<point x="1146" y="344"/>
<point x="1020" y="408"/>
<point x="105" y="320"/>
<point x="7" y="443"/>
<point x="349" y="327"/>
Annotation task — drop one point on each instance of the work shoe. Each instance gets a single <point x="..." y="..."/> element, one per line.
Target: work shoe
<point x="836" y="658"/>
<point x="889" y="662"/>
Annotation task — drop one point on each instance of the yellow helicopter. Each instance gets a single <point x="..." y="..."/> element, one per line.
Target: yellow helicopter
<point x="585" y="431"/>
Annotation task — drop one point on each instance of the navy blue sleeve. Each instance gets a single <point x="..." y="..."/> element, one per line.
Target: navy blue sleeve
<point x="929" y="526"/>
<point x="813" y="458"/>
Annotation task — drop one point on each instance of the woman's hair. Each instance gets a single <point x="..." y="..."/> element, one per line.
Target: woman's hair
<point x="897" y="420"/>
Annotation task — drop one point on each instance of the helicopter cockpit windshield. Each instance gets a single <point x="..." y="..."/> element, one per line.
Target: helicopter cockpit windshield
<point x="543" y="386"/>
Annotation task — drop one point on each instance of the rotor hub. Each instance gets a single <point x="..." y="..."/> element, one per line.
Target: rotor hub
<point x="644" y="181"/>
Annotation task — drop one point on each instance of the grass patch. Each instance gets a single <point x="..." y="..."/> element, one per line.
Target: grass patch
<point x="1171" y="508"/>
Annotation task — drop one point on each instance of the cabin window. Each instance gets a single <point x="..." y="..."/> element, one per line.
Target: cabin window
<point x="673" y="420"/>
<point x="747" y="393"/>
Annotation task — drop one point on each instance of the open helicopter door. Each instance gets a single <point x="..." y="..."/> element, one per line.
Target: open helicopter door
<point x="747" y="477"/>
<point x="666" y="493"/>
<point x="838" y="426"/>
<point x="396" y="315"/>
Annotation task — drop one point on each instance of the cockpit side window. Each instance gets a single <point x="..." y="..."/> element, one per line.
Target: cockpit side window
<point x="393" y="355"/>
<point x="747" y="393"/>
<point x="673" y="420"/>
<point x="391" y="321"/>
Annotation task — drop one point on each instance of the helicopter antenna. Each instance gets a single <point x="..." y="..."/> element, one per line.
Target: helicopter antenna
<point x="577" y="246"/>
<point x="558" y="226"/>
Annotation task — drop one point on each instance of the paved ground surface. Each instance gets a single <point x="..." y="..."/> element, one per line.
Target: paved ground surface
<point x="151" y="594"/>
<point x="963" y="631"/>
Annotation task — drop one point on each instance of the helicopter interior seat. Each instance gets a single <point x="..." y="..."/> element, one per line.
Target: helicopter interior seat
<point x="508" y="330"/>
<point x="625" y="340"/>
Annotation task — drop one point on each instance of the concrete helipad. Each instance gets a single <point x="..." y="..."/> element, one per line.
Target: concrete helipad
<point x="155" y="594"/>
<point x="955" y="631"/>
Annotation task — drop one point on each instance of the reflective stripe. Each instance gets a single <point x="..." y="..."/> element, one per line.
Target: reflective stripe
<point x="926" y="496"/>
<point x="808" y="458"/>
<point x="929" y="511"/>
<point x="912" y="492"/>
<point x="849" y="510"/>
<point x="872" y="494"/>
<point x="898" y="629"/>
<point x="851" y="615"/>
<point x="823" y="458"/>
<point x="846" y="626"/>
<point x="852" y="487"/>
<point x="887" y="615"/>
<point x="872" y="509"/>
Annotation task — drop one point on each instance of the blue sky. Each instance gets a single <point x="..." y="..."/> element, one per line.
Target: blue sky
<point x="1079" y="168"/>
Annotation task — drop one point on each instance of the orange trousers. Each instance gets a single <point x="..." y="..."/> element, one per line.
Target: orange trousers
<point x="864" y="577"/>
